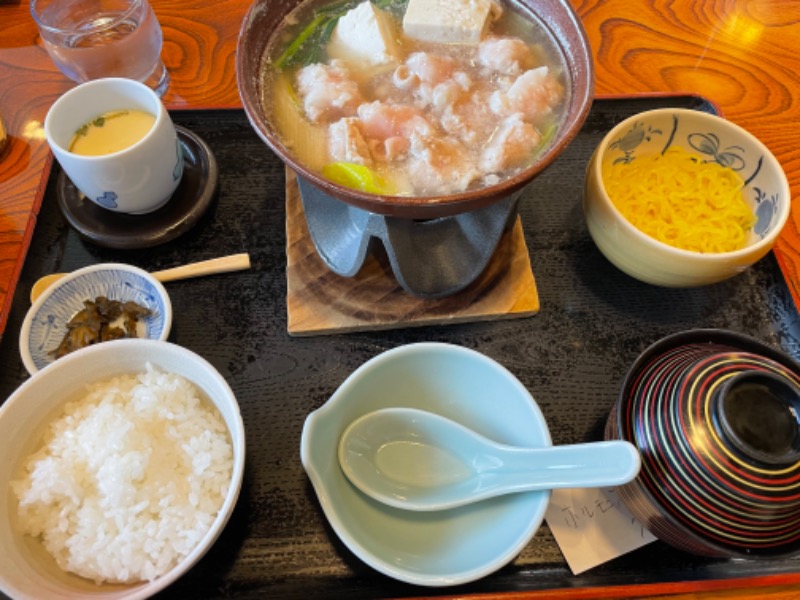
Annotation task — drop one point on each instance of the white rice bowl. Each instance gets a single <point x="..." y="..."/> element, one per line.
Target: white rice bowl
<point x="129" y="480"/>
<point x="118" y="433"/>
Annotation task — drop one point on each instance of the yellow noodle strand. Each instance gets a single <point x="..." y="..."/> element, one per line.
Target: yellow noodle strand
<point x="682" y="201"/>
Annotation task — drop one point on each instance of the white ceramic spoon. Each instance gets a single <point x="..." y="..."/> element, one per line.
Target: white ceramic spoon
<point x="417" y="460"/>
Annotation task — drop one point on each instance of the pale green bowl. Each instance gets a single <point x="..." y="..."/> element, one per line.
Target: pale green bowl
<point x="437" y="548"/>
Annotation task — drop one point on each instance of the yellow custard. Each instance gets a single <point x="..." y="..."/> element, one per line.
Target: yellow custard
<point x="111" y="132"/>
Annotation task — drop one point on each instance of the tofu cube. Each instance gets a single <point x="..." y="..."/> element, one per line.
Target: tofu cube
<point x="364" y="37"/>
<point x="447" y="21"/>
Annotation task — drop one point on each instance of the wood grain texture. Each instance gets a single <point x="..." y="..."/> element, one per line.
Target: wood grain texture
<point x="748" y="589"/>
<point x="199" y="51"/>
<point x="320" y="301"/>
<point x="772" y="592"/>
<point x="740" y="54"/>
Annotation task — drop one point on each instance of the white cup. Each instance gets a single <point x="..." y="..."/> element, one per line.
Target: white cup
<point x="138" y="179"/>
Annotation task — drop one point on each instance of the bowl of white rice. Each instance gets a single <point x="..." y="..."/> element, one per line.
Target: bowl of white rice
<point x="121" y="466"/>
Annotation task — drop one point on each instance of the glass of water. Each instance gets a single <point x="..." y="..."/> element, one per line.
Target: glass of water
<point x="91" y="39"/>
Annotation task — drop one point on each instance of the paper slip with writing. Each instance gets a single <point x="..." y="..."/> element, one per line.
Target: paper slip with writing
<point x="592" y="526"/>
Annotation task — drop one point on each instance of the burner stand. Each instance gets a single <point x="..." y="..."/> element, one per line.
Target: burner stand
<point x="430" y="259"/>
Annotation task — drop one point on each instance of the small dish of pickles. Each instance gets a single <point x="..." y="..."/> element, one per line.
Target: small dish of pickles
<point x="92" y="305"/>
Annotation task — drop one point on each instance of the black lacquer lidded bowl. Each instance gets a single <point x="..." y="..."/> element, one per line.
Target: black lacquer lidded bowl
<point x="715" y="416"/>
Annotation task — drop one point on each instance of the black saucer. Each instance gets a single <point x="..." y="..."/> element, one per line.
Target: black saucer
<point x="190" y="201"/>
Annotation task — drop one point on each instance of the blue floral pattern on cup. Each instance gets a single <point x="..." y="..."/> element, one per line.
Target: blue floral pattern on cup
<point x="107" y="200"/>
<point x="709" y="145"/>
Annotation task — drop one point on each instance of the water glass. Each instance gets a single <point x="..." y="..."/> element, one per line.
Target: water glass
<point x="91" y="39"/>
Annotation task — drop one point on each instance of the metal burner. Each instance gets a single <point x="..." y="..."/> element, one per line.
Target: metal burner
<point x="429" y="259"/>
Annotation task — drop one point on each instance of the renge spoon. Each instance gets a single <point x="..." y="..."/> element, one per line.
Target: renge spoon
<point x="418" y="460"/>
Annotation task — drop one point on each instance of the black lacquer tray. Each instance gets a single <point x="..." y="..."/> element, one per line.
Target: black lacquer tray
<point x="594" y="321"/>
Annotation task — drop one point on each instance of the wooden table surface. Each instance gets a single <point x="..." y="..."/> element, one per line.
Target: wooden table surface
<point x="741" y="54"/>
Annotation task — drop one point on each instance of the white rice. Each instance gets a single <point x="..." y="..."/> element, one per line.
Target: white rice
<point x="129" y="480"/>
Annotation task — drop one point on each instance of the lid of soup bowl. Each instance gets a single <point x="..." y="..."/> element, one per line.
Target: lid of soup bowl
<point x="715" y="417"/>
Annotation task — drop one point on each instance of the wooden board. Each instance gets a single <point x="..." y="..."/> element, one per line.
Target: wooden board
<point x="321" y="302"/>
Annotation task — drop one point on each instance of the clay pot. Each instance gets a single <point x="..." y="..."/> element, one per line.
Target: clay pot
<point x="556" y="16"/>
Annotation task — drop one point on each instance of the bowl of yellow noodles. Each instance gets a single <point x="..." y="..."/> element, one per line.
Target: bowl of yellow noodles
<point x="682" y="198"/>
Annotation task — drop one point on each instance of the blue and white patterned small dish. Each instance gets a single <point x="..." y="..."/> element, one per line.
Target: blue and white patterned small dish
<point x="45" y="324"/>
<point x="713" y="139"/>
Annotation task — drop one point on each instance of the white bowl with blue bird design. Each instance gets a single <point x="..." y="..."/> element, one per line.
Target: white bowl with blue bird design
<point x="46" y="323"/>
<point x="709" y="138"/>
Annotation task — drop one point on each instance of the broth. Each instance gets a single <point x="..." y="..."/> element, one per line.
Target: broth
<point x="418" y="117"/>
